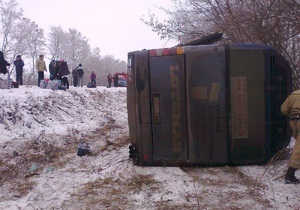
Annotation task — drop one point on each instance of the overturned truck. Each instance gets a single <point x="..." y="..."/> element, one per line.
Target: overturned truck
<point x="207" y="105"/>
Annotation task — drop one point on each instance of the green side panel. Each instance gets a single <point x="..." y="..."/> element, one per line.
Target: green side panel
<point x="247" y="100"/>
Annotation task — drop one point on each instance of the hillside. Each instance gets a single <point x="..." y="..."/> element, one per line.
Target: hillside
<point x="39" y="167"/>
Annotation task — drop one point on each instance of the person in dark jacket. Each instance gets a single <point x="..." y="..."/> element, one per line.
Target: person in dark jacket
<point x="52" y="69"/>
<point x="116" y="78"/>
<point x="19" y="63"/>
<point x="3" y="64"/>
<point x="75" y="77"/>
<point x="80" y="73"/>
<point x="109" y="80"/>
<point x="93" y="78"/>
<point x="63" y="73"/>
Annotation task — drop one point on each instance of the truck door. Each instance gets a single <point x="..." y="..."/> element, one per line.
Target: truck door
<point x="168" y="101"/>
<point x="207" y="110"/>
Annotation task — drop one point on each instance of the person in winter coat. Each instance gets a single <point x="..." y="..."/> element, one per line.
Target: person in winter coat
<point x="116" y="78"/>
<point x="52" y="69"/>
<point x="75" y="77"/>
<point x="80" y="73"/>
<point x="93" y="78"/>
<point x="109" y="80"/>
<point x="63" y="73"/>
<point x="40" y="67"/>
<point x="3" y="64"/>
<point x="19" y="63"/>
<point x="291" y="109"/>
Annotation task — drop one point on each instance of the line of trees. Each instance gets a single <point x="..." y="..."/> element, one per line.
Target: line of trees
<point x="272" y="22"/>
<point x="21" y="36"/>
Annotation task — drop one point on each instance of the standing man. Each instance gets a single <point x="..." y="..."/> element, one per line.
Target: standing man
<point x="291" y="109"/>
<point x="109" y="80"/>
<point x="116" y="78"/>
<point x="19" y="63"/>
<point x="93" y="78"/>
<point x="63" y="73"/>
<point x="75" y="77"/>
<point x="80" y="73"/>
<point x="40" y="67"/>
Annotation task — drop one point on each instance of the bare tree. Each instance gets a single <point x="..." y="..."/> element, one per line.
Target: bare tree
<point x="56" y="41"/>
<point x="70" y="46"/>
<point x="19" y="35"/>
<point x="34" y="47"/>
<point x="272" y="22"/>
<point x="77" y="48"/>
<point x="10" y="14"/>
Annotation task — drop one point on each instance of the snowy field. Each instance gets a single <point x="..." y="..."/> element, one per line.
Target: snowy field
<point x="39" y="168"/>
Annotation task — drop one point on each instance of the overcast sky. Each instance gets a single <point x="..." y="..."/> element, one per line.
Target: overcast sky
<point x="112" y="25"/>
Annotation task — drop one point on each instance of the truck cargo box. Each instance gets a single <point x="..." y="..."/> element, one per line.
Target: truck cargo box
<point x="207" y="105"/>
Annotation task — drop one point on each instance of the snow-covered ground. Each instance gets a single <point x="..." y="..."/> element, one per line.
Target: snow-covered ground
<point x="39" y="168"/>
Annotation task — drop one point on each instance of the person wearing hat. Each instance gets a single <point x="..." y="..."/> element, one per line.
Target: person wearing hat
<point x="19" y="63"/>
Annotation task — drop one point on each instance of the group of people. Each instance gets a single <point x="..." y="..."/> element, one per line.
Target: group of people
<point x="58" y="70"/>
<point x="114" y="79"/>
<point x="77" y="75"/>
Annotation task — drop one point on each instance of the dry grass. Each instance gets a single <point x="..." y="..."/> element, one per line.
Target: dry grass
<point x="23" y="188"/>
<point x="110" y="193"/>
<point x="48" y="153"/>
<point x="120" y="142"/>
<point x="17" y="188"/>
<point x="38" y="154"/>
<point x="217" y="187"/>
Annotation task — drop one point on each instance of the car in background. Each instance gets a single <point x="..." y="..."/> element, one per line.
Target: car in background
<point x="122" y="82"/>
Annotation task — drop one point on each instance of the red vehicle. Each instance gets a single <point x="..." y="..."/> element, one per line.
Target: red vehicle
<point x="122" y="79"/>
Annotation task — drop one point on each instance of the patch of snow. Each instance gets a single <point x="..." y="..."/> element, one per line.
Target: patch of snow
<point x="40" y="130"/>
